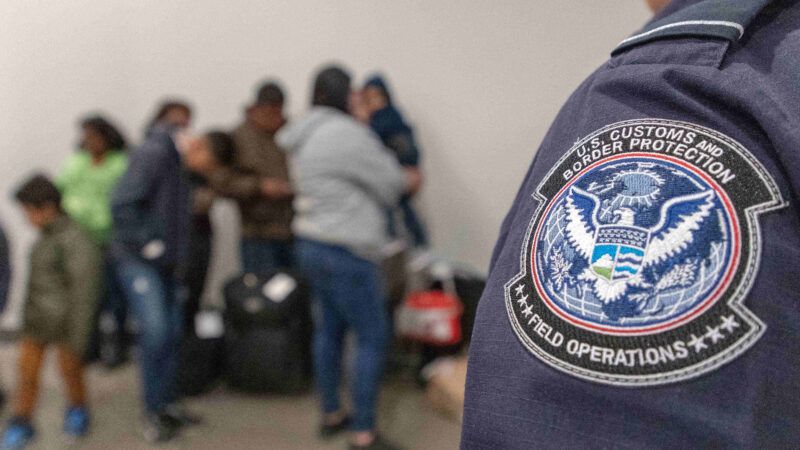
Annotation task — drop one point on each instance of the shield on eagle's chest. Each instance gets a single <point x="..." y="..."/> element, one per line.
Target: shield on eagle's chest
<point x="619" y="251"/>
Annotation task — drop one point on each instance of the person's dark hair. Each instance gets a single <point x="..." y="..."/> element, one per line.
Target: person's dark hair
<point x="332" y="88"/>
<point x="270" y="93"/>
<point x="38" y="191"/>
<point x="110" y="134"/>
<point x="377" y="81"/>
<point x="222" y="146"/>
<point x="165" y="107"/>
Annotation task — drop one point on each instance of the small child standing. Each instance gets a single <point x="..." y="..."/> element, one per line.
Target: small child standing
<point x="63" y="291"/>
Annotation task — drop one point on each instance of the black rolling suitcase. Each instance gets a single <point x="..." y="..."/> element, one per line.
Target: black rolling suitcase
<point x="469" y="288"/>
<point x="268" y="337"/>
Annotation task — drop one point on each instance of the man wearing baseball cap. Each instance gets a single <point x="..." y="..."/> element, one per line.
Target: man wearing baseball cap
<point x="258" y="179"/>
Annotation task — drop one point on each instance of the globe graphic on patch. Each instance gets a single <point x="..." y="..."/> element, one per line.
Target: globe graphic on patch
<point x="632" y="244"/>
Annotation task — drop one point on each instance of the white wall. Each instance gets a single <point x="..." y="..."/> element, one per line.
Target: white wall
<point x="481" y="80"/>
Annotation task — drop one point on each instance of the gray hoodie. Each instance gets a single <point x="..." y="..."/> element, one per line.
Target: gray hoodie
<point x="344" y="179"/>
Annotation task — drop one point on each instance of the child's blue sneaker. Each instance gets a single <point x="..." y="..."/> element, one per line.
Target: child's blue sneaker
<point x="76" y="422"/>
<point x="18" y="434"/>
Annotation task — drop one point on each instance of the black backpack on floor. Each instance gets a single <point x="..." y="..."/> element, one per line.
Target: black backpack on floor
<point x="469" y="289"/>
<point x="202" y="356"/>
<point x="268" y="338"/>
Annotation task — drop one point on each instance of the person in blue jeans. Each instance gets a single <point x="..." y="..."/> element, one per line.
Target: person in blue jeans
<point x="344" y="179"/>
<point x="158" y="309"/>
<point x="151" y="211"/>
<point x="345" y="305"/>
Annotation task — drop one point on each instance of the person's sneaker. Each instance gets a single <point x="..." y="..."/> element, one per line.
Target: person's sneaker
<point x="156" y="429"/>
<point x="327" y="431"/>
<point x="76" y="422"/>
<point x="178" y="415"/>
<point x="377" y="444"/>
<point x="19" y="434"/>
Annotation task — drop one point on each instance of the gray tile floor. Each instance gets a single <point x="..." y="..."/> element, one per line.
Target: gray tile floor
<point x="232" y="421"/>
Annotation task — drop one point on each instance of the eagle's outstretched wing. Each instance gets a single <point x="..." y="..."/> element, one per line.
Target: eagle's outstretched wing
<point x="680" y="218"/>
<point x="581" y="207"/>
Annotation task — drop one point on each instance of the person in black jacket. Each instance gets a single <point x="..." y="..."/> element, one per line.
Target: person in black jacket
<point x="5" y="284"/>
<point x="151" y="210"/>
<point x="5" y="270"/>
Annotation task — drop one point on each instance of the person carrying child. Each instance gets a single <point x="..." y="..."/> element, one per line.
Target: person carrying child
<point x="63" y="292"/>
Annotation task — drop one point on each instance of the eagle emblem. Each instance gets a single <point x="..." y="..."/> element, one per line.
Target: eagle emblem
<point x="617" y="252"/>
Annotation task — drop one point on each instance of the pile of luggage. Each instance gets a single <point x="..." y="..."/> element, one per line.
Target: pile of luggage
<point x="438" y="314"/>
<point x="438" y="311"/>
<point x="261" y="342"/>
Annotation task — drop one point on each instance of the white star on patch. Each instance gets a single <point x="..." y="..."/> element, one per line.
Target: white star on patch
<point x="729" y="323"/>
<point x="697" y="343"/>
<point x="522" y="301"/>
<point x="519" y="289"/>
<point x="714" y="334"/>
<point x="528" y="311"/>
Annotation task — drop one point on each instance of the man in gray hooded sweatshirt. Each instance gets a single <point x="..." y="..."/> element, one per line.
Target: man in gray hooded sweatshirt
<point x="344" y="179"/>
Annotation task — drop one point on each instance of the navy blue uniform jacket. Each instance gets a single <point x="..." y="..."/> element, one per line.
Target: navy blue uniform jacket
<point x="644" y="291"/>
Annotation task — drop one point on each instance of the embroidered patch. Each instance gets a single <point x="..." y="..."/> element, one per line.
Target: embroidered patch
<point x="640" y="253"/>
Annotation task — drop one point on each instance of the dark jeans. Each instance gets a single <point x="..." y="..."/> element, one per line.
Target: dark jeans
<point x="114" y="302"/>
<point x="156" y="305"/>
<point x="113" y="305"/>
<point x="266" y="255"/>
<point x="412" y="223"/>
<point x="349" y="293"/>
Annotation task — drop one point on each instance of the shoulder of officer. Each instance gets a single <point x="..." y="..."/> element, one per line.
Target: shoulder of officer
<point x="718" y="19"/>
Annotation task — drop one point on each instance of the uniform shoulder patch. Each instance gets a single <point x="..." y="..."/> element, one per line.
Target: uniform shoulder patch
<point x="640" y="254"/>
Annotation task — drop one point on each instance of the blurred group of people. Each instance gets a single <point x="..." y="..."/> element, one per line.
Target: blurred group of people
<point x="127" y="229"/>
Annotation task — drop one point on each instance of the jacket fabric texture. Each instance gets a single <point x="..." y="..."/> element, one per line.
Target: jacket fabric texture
<point x="64" y="286"/>
<point x="344" y="180"/>
<point x="396" y="134"/>
<point x="151" y="205"/>
<point x="257" y="157"/>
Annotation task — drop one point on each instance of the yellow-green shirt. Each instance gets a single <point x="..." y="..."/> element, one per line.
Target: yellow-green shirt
<point x="86" y="191"/>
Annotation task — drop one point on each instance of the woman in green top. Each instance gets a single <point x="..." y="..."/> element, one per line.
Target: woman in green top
<point x="86" y="183"/>
<point x="90" y="175"/>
